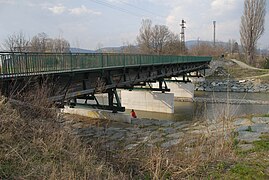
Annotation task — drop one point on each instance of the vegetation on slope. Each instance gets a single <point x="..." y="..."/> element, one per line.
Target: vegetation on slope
<point x="36" y="146"/>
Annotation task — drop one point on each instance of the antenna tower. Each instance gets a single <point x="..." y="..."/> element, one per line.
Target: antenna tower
<point x="214" y="33"/>
<point x="182" y="35"/>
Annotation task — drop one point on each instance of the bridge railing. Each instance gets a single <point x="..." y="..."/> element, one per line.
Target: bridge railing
<point x="23" y="64"/>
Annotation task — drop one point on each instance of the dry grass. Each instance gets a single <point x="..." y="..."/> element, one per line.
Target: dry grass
<point x="191" y="159"/>
<point x="40" y="148"/>
<point x="36" y="147"/>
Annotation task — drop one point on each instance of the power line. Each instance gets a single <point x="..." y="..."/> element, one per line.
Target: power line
<point x="142" y="9"/>
<point x="139" y="15"/>
<point x="116" y="8"/>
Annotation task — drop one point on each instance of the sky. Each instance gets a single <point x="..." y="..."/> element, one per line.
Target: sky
<point x="92" y="24"/>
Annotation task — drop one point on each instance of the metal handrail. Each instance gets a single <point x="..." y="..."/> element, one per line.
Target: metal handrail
<point x="13" y="64"/>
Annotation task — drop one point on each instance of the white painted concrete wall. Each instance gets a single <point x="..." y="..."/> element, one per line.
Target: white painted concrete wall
<point x="181" y="90"/>
<point x="97" y="113"/>
<point x="148" y="101"/>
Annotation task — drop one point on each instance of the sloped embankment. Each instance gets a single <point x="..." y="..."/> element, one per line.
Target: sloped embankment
<point x="34" y="145"/>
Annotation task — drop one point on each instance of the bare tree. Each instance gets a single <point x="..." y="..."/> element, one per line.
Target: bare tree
<point x="252" y="26"/>
<point x="157" y="39"/>
<point x="42" y="43"/>
<point x="16" y="42"/>
<point x="160" y="36"/>
<point x="145" y="36"/>
<point x="39" y="42"/>
<point x="207" y="49"/>
<point x="61" y="45"/>
<point x="129" y="48"/>
<point x="173" y="45"/>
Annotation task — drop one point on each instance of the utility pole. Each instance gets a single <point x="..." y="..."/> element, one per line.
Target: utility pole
<point x="198" y="43"/>
<point x="182" y="35"/>
<point x="214" y="33"/>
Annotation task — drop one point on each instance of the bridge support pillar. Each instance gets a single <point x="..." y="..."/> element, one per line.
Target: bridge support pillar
<point x="148" y="101"/>
<point x="182" y="90"/>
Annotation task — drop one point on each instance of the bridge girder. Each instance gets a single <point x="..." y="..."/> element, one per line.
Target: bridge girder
<point x="82" y="84"/>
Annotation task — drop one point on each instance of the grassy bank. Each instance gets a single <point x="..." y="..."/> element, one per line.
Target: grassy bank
<point x="37" y="144"/>
<point x="238" y="72"/>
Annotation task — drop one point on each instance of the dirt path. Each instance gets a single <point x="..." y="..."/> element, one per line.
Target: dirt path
<point x="244" y="65"/>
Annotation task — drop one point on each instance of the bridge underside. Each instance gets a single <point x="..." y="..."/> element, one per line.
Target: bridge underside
<point x="70" y="86"/>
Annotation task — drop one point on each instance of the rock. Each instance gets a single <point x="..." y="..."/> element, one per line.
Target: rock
<point x="234" y="89"/>
<point x="199" y="131"/>
<point x="99" y="134"/>
<point x="156" y="140"/>
<point x="144" y="139"/>
<point x="243" y="128"/>
<point x="248" y="137"/>
<point x="87" y="131"/>
<point x="200" y="89"/>
<point x="181" y="126"/>
<point x="169" y="130"/>
<point x="110" y="132"/>
<point x="241" y="121"/>
<point x="175" y="135"/>
<point x="170" y="143"/>
<point x="69" y="122"/>
<point x="131" y="146"/>
<point x="260" y="120"/>
<point x="245" y="147"/>
<point x="180" y="123"/>
<point x="166" y="123"/>
<point x="260" y="128"/>
<point x="113" y="129"/>
<point x="85" y="135"/>
<point x="208" y="89"/>
<point x="77" y="125"/>
<point x="143" y="122"/>
<point x="117" y="136"/>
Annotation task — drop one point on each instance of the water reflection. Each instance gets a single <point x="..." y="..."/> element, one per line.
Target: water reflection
<point x="187" y="111"/>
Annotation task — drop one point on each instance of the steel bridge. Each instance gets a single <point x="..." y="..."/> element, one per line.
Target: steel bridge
<point x="73" y="76"/>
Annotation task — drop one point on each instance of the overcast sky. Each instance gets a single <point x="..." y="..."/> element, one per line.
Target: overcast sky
<point x="91" y="24"/>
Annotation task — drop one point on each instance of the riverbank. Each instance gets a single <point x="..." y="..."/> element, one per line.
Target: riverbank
<point x="46" y="145"/>
<point x="248" y="86"/>
<point x="233" y="76"/>
<point x="223" y="100"/>
<point x="241" y="145"/>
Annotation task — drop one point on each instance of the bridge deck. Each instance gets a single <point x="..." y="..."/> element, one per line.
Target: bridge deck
<point x="29" y="64"/>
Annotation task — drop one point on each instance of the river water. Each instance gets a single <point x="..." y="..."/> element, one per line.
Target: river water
<point x="188" y="111"/>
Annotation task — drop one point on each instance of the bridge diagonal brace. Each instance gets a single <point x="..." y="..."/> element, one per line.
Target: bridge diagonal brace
<point x="65" y="89"/>
<point x="112" y="92"/>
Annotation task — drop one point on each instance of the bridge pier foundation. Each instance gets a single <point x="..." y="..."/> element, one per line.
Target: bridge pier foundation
<point x="182" y="90"/>
<point x="98" y="113"/>
<point x="148" y="101"/>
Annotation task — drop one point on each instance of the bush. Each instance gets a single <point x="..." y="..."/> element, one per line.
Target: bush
<point x="266" y="63"/>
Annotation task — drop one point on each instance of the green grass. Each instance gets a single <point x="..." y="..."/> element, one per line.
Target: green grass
<point x="263" y="144"/>
<point x="246" y="171"/>
<point x="238" y="72"/>
<point x="252" y="164"/>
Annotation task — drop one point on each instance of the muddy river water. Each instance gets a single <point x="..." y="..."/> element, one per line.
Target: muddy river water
<point x="188" y="111"/>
